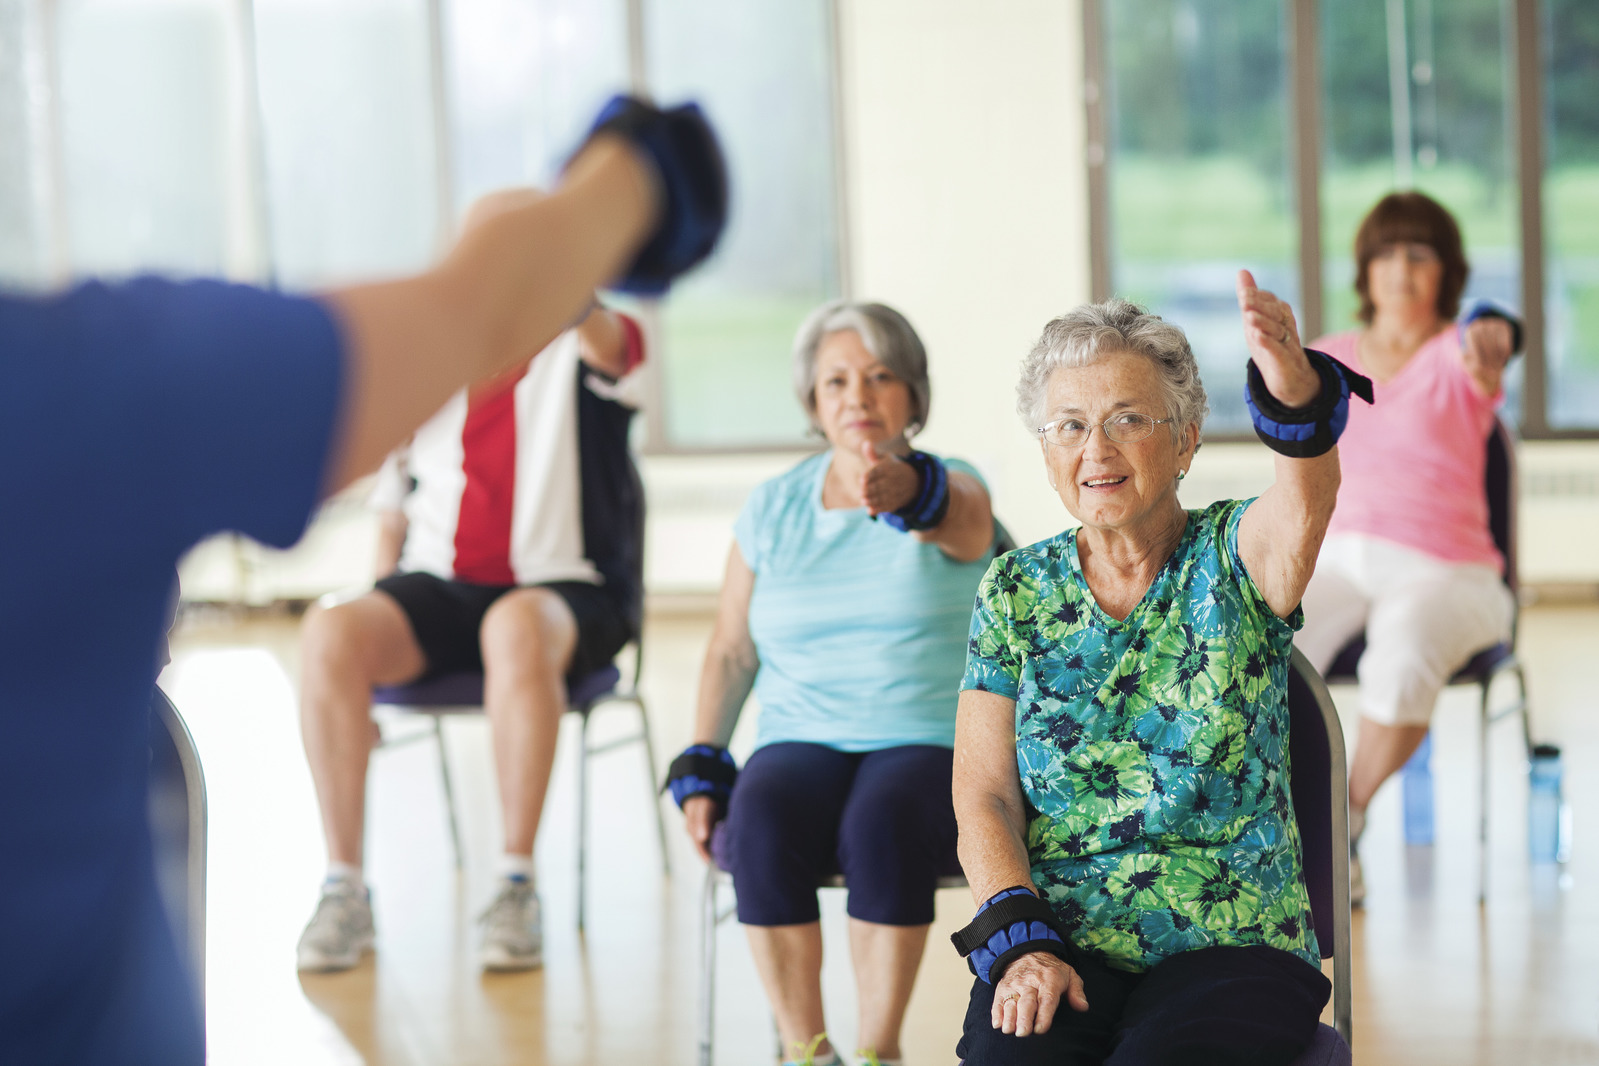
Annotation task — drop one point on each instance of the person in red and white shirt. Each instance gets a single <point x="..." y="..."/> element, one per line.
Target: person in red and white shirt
<point x="513" y="527"/>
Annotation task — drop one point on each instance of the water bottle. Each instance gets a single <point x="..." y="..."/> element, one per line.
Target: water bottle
<point x="1544" y="815"/>
<point x="1416" y="779"/>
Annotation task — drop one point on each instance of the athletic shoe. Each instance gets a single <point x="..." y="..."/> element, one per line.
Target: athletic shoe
<point x="805" y="1054"/>
<point x="1357" y="880"/>
<point x="512" y="937"/>
<point x="869" y="1058"/>
<point x="340" y="931"/>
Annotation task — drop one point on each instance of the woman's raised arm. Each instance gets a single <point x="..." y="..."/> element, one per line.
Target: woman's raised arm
<point x="1281" y="533"/>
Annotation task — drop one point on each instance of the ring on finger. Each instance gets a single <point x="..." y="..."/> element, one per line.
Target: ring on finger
<point x="1013" y="995"/>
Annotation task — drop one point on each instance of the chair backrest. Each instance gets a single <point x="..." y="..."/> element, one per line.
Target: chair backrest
<point x="178" y="828"/>
<point x="1500" y="481"/>
<point x="1319" y="785"/>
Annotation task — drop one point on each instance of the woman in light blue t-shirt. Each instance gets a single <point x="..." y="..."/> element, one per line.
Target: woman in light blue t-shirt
<point x="845" y="607"/>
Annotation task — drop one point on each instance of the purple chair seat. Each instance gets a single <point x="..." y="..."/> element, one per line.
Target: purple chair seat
<point x="463" y="692"/>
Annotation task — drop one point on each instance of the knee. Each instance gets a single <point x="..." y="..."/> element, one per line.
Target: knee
<point x="332" y="640"/>
<point x="529" y="630"/>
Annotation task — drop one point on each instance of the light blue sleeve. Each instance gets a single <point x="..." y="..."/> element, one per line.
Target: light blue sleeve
<point x="750" y="527"/>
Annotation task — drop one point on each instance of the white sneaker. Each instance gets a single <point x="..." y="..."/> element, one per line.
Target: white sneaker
<point x="513" y="938"/>
<point x="340" y="931"/>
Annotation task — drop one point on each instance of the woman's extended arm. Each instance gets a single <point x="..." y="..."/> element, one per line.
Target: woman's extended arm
<point x="993" y="822"/>
<point x="967" y="531"/>
<point x="1281" y="533"/>
<point x="1487" y="350"/>
<point x="725" y="683"/>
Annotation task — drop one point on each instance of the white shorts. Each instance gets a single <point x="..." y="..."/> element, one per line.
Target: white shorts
<point x="1424" y="617"/>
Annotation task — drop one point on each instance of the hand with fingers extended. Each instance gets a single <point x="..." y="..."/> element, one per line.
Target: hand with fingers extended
<point x="1031" y="990"/>
<point x="888" y="482"/>
<point x="1273" y="339"/>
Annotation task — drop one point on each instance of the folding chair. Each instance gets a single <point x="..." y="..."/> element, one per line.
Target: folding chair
<point x="462" y="693"/>
<point x="1488" y="665"/>
<point x="1319" y="783"/>
<point x="178" y="829"/>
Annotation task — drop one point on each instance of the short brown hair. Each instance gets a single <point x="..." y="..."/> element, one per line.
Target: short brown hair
<point x="1419" y="219"/>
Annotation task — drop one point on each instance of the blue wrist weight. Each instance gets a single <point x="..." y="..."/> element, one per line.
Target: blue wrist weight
<point x="702" y="770"/>
<point x="694" y="187"/>
<point x="1010" y="924"/>
<point x="1312" y="430"/>
<point x="1489" y="309"/>
<point x="931" y="502"/>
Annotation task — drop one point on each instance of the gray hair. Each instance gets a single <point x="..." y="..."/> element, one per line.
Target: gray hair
<point x="884" y="332"/>
<point x="1089" y="331"/>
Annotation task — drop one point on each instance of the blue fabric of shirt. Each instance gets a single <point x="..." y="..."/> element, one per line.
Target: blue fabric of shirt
<point x="135" y="419"/>
<point x="861" y="629"/>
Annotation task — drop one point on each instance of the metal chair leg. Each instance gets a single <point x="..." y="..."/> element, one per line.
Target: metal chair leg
<point x="582" y="813"/>
<point x="708" y="925"/>
<point x="449" y="790"/>
<point x="649" y="772"/>
<point x="1482" y="797"/>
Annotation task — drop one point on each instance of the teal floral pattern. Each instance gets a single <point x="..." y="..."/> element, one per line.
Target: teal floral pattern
<point x="1152" y="752"/>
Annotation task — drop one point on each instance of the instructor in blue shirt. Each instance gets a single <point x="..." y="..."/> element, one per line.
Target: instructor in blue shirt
<point x="138" y="418"/>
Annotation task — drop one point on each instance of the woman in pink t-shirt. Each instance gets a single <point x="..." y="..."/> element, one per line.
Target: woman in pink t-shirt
<point x="1408" y="556"/>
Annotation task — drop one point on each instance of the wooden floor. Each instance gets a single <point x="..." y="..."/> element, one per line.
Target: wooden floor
<point x="1437" y="979"/>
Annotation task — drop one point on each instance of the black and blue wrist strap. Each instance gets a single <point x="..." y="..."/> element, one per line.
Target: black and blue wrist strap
<point x="931" y="502"/>
<point x="1012" y="923"/>
<point x="702" y="770"/>
<point x="1312" y="430"/>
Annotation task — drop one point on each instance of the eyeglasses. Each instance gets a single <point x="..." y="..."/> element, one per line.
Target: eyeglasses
<point x="1125" y="428"/>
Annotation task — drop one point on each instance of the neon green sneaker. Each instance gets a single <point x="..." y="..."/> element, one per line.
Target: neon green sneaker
<point x="805" y="1054"/>
<point x="869" y="1058"/>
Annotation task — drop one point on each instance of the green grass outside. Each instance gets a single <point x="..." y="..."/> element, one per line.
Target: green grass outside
<point x="727" y="368"/>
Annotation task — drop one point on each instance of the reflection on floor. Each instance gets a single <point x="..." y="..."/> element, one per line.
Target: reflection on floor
<point x="1437" y="980"/>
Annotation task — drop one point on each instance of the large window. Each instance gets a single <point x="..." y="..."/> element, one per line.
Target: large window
<point x="1571" y="211"/>
<point x="763" y="71"/>
<point x="1490" y="106"/>
<point x="312" y="142"/>
<point x="1200" y="183"/>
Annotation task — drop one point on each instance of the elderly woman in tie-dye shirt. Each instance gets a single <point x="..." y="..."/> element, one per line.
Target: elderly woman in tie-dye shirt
<point x="1121" y="746"/>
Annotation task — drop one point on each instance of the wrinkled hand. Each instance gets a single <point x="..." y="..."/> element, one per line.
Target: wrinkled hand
<point x="1489" y="342"/>
<point x="889" y="482"/>
<point x="1031" y="990"/>
<point x="1273" y="340"/>
<point x="699" y="818"/>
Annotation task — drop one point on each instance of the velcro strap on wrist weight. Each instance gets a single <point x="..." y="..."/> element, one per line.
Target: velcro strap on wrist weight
<point x="702" y="770"/>
<point x="1312" y="430"/>
<point x="1009" y="925"/>
<point x="931" y="502"/>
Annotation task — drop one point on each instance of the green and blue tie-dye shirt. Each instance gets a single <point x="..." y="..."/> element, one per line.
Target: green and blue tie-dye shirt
<point x="1152" y="752"/>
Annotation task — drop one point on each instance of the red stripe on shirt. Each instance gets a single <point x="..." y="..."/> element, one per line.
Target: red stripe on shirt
<point x="488" y="459"/>
<point x="633" y="335"/>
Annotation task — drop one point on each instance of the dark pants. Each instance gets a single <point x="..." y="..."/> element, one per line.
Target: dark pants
<point x="1236" y="1006"/>
<point x="801" y="812"/>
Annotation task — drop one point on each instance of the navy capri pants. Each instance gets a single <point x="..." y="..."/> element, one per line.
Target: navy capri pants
<point x="802" y="812"/>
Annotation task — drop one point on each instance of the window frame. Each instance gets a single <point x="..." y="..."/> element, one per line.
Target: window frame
<point x="1523" y="27"/>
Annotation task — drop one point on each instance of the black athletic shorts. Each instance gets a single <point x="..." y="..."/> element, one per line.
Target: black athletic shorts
<point x="446" y="616"/>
